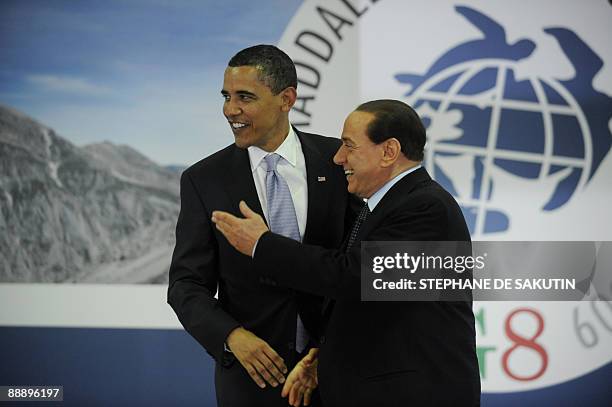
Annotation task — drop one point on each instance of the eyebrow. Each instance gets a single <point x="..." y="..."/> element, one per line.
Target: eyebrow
<point x="240" y="93"/>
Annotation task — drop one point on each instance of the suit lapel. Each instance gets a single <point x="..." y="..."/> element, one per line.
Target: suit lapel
<point x="318" y="178"/>
<point x="403" y="187"/>
<point x="319" y="173"/>
<point x="240" y="185"/>
<point x="239" y="182"/>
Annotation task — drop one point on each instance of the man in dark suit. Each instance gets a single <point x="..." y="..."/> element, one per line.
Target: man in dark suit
<point x="255" y="332"/>
<point x="376" y="353"/>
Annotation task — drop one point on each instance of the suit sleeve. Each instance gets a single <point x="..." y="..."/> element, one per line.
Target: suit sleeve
<point x="335" y="273"/>
<point x="194" y="275"/>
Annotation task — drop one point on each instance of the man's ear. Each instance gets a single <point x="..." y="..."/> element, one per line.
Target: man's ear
<point x="288" y="97"/>
<point x="391" y="151"/>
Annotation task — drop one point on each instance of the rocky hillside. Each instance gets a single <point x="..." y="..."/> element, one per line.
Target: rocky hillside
<point x="101" y="213"/>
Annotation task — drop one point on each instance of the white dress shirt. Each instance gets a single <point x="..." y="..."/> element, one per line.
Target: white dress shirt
<point x="292" y="167"/>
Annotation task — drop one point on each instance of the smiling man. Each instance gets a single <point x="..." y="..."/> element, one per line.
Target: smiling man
<point x="376" y="353"/>
<point x="256" y="332"/>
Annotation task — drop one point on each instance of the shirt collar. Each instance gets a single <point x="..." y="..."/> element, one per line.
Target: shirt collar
<point x="378" y="195"/>
<point x="287" y="150"/>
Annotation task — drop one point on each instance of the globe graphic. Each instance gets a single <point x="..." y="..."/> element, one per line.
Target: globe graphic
<point x="492" y="135"/>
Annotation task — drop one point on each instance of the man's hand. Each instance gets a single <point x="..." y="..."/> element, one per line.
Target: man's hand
<point x="257" y="357"/>
<point x="241" y="233"/>
<point x="302" y="380"/>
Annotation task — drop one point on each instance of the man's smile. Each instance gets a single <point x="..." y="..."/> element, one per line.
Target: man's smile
<point x="238" y="126"/>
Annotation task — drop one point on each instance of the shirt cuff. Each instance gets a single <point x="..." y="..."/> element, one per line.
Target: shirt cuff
<point x="254" y="247"/>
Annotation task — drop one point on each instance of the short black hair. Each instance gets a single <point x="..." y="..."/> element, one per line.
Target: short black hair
<point x="275" y="67"/>
<point x="395" y="119"/>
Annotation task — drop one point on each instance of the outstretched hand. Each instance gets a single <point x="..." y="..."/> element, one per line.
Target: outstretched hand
<point x="302" y="380"/>
<point x="242" y="233"/>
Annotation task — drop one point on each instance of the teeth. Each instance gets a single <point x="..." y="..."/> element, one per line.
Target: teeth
<point x="348" y="172"/>
<point x="238" y="125"/>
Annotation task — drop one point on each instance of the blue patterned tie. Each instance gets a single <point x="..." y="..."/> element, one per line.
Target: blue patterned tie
<point x="283" y="221"/>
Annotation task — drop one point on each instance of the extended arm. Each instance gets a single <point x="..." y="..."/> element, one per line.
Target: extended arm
<point x="314" y="269"/>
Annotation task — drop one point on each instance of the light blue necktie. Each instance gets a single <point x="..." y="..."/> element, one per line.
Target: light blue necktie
<point x="283" y="221"/>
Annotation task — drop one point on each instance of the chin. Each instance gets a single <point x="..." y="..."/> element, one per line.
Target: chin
<point x="241" y="143"/>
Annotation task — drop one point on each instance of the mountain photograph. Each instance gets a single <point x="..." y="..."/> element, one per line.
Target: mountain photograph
<point x="101" y="213"/>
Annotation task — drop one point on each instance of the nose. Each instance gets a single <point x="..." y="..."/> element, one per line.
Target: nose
<point x="340" y="156"/>
<point x="230" y="108"/>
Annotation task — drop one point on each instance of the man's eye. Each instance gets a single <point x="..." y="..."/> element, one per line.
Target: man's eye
<point x="226" y="97"/>
<point x="246" y="97"/>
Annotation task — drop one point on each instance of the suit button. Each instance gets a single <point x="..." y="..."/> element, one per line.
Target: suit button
<point x="322" y="340"/>
<point x="291" y="345"/>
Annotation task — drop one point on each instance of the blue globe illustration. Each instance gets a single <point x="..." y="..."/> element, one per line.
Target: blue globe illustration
<point x="494" y="136"/>
<point x="501" y="141"/>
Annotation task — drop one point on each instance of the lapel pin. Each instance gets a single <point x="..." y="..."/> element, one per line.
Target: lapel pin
<point x="321" y="179"/>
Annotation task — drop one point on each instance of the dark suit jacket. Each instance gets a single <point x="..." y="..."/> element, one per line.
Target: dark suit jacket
<point x="385" y="353"/>
<point x="203" y="262"/>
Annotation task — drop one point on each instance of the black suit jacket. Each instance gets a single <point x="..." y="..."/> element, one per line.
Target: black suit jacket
<point x="203" y="262"/>
<point x="385" y="353"/>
